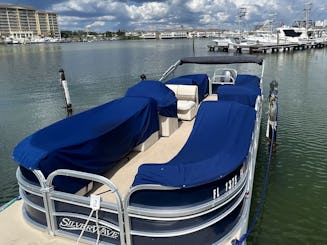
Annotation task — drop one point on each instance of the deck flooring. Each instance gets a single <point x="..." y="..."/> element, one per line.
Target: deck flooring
<point x="160" y="152"/>
<point x="14" y="230"/>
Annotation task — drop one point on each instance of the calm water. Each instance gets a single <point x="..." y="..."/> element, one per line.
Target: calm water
<point x="295" y="208"/>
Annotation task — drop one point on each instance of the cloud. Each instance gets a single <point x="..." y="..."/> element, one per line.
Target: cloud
<point x="196" y="5"/>
<point x="97" y="23"/>
<point x="72" y="6"/>
<point x="148" y="11"/>
<point x="71" y="22"/>
<point x="172" y="14"/>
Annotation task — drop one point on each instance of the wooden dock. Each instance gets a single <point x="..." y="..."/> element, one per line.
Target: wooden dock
<point x="218" y="48"/>
<point x="265" y="48"/>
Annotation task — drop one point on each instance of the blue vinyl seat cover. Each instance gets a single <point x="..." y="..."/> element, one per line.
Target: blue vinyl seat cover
<point x="91" y="141"/>
<point x="245" y="90"/>
<point x="164" y="97"/>
<point x="217" y="145"/>
<point x="247" y="80"/>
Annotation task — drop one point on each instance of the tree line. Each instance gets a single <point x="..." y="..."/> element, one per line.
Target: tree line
<point x="79" y="34"/>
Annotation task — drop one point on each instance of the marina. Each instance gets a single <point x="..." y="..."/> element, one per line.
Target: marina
<point x="266" y="48"/>
<point x="274" y="215"/>
<point x="300" y="36"/>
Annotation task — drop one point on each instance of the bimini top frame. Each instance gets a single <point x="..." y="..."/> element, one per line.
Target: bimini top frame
<point x="215" y="60"/>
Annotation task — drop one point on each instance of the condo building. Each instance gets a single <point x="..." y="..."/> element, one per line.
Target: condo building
<point x="24" y="22"/>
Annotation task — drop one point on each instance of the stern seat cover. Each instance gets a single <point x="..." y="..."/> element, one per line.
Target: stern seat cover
<point x="241" y="94"/>
<point x="218" y="144"/>
<point x="165" y="98"/>
<point x="91" y="141"/>
<point x="245" y="90"/>
<point x="247" y="80"/>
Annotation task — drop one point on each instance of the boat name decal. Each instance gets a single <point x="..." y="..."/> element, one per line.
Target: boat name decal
<point x="68" y="224"/>
<point x="229" y="184"/>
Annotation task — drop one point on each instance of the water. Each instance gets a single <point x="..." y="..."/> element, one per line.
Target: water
<point x="295" y="208"/>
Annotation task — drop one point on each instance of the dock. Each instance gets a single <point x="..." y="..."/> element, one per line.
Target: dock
<point x="265" y="48"/>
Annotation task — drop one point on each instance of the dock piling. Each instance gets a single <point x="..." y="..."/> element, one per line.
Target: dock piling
<point x="264" y="48"/>
<point x="272" y="111"/>
<point x="64" y="85"/>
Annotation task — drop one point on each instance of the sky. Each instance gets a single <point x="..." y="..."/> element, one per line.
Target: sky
<point x="158" y="15"/>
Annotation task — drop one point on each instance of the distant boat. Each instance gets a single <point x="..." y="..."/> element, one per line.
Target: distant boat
<point x="149" y="35"/>
<point x="38" y="40"/>
<point x="261" y="38"/>
<point x="225" y="44"/>
<point x="45" y="40"/>
<point x="173" y="35"/>
<point x="9" y="40"/>
<point x="166" y="35"/>
<point x="298" y="35"/>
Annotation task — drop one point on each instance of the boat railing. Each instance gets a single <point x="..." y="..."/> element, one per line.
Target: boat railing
<point x="68" y="214"/>
<point x="55" y="202"/>
<point x="66" y="198"/>
<point x="35" y="197"/>
<point x="223" y="76"/>
<point x="221" y="206"/>
<point x="206" y="223"/>
<point x="185" y="217"/>
<point x="170" y="70"/>
<point x="182" y="211"/>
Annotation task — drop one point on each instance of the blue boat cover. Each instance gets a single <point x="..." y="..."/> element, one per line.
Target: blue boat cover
<point x="217" y="145"/>
<point x="165" y="98"/>
<point x="201" y="80"/>
<point x="247" y="80"/>
<point x="245" y="90"/>
<point x="91" y="141"/>
<point x="240" y="94"/>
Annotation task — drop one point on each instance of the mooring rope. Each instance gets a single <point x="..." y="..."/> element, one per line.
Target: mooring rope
<point x="263" y="192"/>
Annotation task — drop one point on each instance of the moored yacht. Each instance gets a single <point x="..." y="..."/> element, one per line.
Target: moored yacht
<point x="298" y="35"/>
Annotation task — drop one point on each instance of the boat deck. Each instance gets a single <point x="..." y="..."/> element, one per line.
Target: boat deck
<point x="15" y="230"/>
<point x="160" y="152"/>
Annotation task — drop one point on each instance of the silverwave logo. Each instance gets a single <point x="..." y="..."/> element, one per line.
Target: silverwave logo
<point x="68" y="224"/>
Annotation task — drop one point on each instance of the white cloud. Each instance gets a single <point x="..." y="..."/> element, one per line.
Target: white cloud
<point x="197" y="5"/>
<point x="73" y="5"/>
<point x="148" y="11"/>
<point x="96" y="24"/>
<point x="169" y="14"/>
<point x="71" y="22"/>
<point x="222" y="16"/>
<point x="207" y="19"/>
